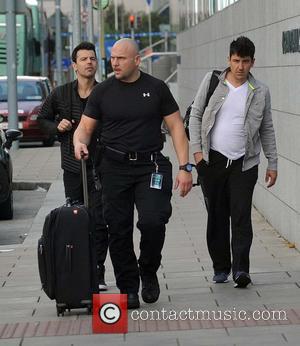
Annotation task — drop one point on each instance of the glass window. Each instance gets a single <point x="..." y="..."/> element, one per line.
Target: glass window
<point x="191" y="12"/>
<point x="27" y="90"/>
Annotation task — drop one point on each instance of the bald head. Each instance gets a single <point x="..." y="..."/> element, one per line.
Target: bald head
<point x="128" y="44"/>
<point x="125" y="60"/>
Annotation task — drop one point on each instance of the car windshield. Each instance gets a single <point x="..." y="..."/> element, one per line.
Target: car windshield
<point x="28" y="90"/>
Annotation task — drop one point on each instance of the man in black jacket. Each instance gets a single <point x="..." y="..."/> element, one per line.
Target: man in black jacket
<point x="60" y="114"/>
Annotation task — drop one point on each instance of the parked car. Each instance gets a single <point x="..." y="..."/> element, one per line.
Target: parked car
<point x="32" y="92"/>
<point x="6" y="193"/>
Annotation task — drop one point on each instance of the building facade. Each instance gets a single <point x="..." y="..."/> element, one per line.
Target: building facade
<point x="129" y="5"/>
<point x="274" y="27"/>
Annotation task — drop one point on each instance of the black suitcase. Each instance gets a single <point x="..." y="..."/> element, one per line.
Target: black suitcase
<point x="67" y="257"/>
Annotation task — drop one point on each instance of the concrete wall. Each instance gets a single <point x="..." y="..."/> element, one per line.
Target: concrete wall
<point x="205" y="47"/>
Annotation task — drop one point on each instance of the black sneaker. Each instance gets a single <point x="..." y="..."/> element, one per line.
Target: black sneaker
<point x="220" y="278"/>
<point x="241" y="279"/>
<point x="133" y="301"/>
<point x="150" y="288"/>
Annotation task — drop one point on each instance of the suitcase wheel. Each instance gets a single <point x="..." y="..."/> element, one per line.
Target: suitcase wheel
<point x="60" y="310"/>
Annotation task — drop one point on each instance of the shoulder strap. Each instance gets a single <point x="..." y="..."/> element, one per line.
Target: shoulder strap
<point x="214" y="81"/>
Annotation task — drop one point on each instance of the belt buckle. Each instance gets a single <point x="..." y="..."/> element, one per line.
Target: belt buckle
<point x="132" y="156"/>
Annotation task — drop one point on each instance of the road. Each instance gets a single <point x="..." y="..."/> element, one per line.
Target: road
<point x="26" y="206"/>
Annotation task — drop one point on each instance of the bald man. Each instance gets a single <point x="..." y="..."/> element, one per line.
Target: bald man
<point x="131" y="106"/>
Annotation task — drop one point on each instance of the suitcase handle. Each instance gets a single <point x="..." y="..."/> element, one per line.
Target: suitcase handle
<point x="84" y="182"/>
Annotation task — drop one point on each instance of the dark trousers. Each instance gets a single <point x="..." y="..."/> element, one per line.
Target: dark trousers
<point x="228" y="197"/>
<point x="74" y="190"/>
<point x="127" y="184"/>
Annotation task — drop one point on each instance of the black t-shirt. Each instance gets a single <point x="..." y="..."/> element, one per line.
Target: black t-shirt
<point x="131" y="113"/>
<point x="83" y="102"/>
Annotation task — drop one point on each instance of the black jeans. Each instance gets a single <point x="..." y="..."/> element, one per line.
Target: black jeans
<point x="228" y="197"/>
<point x="74" y="190"/>
<point x="127" y="184"/>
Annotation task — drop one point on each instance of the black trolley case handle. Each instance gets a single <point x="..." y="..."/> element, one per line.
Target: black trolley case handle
<point x="84" y="182"/>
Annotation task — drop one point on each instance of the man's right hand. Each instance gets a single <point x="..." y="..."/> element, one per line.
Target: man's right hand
<point x="64" y="125"/>
<point x="198" y="157"/>
<point x="81" y="151"/>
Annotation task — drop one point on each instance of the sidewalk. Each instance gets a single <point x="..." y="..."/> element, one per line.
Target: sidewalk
<point x="28" y="317"/>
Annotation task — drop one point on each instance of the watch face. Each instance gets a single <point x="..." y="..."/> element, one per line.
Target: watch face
<point x="189" y="167"/>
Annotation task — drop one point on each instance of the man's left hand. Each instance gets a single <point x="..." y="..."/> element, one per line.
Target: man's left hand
<point x="271" y="177"/>
<point x="184" y="181"/>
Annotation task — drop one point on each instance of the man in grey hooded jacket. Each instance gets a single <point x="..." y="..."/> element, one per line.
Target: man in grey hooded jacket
<point x="226" y="139"/>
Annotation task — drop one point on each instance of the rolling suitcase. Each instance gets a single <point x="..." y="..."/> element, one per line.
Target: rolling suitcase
<point x="67" y="257"/>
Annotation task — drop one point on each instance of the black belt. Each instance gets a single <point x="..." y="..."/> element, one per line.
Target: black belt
<point x="130" y="156"/>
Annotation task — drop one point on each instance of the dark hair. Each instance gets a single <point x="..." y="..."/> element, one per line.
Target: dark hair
<point x="83" y="46"/>
<point x="242" y="47"/>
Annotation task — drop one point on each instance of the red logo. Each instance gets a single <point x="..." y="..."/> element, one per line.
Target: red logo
<point x="110" y="313"/>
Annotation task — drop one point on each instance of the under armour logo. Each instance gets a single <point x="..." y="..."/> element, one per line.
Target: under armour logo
<point x="146" y="94"/>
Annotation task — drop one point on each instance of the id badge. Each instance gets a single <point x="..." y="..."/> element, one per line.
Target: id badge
<point x="156" y="181"/>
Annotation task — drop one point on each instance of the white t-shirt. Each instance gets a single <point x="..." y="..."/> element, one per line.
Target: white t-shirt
<point x="228" y="135"/>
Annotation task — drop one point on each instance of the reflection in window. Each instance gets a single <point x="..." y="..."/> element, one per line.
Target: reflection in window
<point x="194" y="11"/>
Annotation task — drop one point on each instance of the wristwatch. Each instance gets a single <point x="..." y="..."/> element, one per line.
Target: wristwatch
<point x="188" y="167"/>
